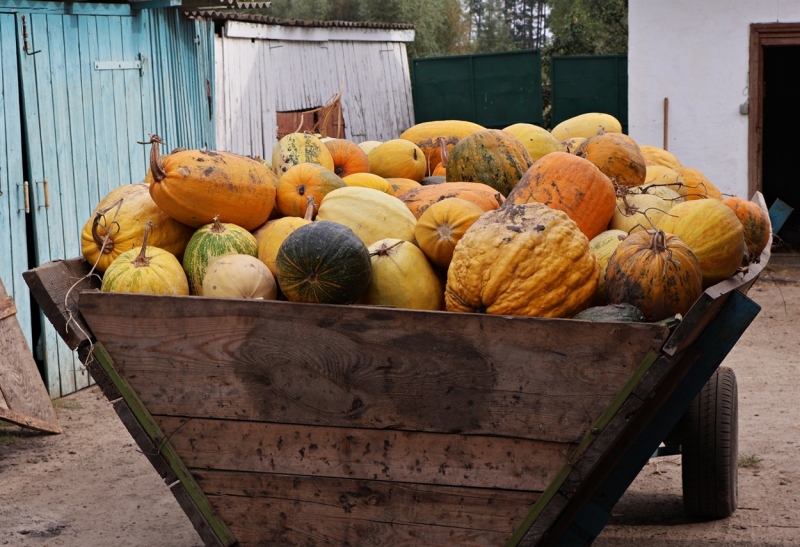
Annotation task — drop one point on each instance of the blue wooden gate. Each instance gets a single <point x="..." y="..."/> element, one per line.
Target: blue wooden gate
<point x="94" y="79"/>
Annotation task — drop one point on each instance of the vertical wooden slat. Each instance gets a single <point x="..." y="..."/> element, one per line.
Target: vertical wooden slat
<point x="220" y="95"/>
<point x="106" y="137"/>
<point x="133" y="105"/>
<point x="123" y="157"/>
<point x="149" y="126"/>
<point x="84" y="75"/>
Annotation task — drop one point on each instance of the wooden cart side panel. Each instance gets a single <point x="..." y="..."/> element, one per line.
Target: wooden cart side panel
<point x="50" y="284"/>
<point x="590" y="507"/>
<point x="363" y="367"/>
<point x="273" y="504"/>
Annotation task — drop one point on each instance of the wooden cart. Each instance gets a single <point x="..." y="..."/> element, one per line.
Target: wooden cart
<point x="277" y="423"/>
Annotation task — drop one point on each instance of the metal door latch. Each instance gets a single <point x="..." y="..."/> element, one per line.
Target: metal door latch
<point x="25" y="46"/>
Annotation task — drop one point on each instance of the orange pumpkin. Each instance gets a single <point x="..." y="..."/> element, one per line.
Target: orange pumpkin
<point x="696" y="185"/>
<point x="617" y="156"/>
<point x="348" y="157"/>
<point x="442" y="226"/>
<point x="756" y="224"/>
<point x="713" y="233"/>
<point x="419" y="199"/>
<point x="303" y="180"/>
<point x="571" y="184"/>
<point x="656" y="272"/>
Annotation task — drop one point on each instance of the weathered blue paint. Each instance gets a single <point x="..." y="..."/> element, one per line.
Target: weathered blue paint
<point x="778" y="215"/>
<point x="81" y="125"/>
<point x="13" y="241"/>
<point x="716" y="341"/>
<point x="155" y="4"/>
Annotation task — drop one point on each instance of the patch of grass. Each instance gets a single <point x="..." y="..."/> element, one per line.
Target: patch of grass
<point x="66" y="404"/>
<point x="751" y="461"/>
<point x="7" y="437"/>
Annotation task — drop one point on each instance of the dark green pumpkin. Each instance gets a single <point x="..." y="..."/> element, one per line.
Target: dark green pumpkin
<point x="325" y="263"/>
<point x="492" y="157"/>
<point x="433" y="179"/>
<point x="612" y="312"/>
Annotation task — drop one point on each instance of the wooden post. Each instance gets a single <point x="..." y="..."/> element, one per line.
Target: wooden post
<point x="666" y="122"/>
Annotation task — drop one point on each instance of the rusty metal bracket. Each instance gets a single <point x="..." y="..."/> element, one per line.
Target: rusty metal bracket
<point x="25" y="46"/>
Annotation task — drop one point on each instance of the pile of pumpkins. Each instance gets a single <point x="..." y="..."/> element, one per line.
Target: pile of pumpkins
<point x="578" y="222"/>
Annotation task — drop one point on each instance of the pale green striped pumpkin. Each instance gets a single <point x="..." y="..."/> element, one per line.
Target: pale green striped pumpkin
<point x="212" y="240"/>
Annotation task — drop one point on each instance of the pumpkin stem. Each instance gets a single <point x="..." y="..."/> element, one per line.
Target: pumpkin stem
<point x="384" y="250"/>
<point x="141" y="260"/>
<point x="443" y="151"/>
<point x="156" y="165"/>
<point x="218" y="227"/>
<point x="309" y="208"/>
<point x="105" y="243"/>
<point x="178" y="149"/>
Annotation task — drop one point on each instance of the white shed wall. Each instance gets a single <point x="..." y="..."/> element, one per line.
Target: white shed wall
<point x="255" y="78"/>
<point x="696" y="53"/>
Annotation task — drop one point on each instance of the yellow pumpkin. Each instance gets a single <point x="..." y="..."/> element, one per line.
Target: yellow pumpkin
<point x="118" y="223"/>
<point x="370" y="213"/>
<point x="664" y="176"/>
<point x="402" y="277"/>
<point x="522" y="259"/>
<point x="399" y="186"/>
<point x="696" y="185"/>
<point x="276" y="232"/>
<point x="636" y="212"/>
<point x="368" y="180"/>
<point x="538" y="141"/>
<point x="603" y="246"/>
<point x="398" y="158"/>
<point x="296" y="148"/>
<point x="442" y="226"/>
<point x="664" y="192"/>
<point x="570" y="145"/>
<point x="146" y="270"/>
<point x="239" y="276"/>
<point x="714" y="234"/>
<point x="658" y="156"/>
<point x="586" y="125"/>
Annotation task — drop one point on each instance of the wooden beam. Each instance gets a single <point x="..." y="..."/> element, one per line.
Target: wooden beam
<point x="7" y="307"/>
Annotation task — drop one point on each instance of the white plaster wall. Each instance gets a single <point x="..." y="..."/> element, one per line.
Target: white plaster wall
<point x="697" y="53"/>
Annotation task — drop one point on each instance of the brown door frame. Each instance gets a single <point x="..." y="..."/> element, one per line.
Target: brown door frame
<point x="761" y="35"/>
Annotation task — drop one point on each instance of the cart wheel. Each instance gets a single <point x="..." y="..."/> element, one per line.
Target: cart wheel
<point x="710" y="448"/>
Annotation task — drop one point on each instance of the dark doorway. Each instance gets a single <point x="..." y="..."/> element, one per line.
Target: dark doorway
<point x="781" y="117"/>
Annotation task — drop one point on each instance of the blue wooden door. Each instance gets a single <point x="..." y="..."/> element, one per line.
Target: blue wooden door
<point x="83" y="117"/>
<point x="13" y="238"/>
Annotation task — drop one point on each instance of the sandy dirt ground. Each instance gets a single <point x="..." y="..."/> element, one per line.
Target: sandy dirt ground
<point x="92" y="487"/>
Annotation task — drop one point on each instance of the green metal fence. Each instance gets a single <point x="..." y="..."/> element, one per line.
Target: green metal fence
<point x="589" y="83"/>
<point x="492" y="89"/>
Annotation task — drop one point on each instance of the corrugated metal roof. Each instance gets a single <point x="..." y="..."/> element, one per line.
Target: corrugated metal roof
<point x="240" y="15"/>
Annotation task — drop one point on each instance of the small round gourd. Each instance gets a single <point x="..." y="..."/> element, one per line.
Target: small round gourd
<point x="348" y="157"/>
<point x="442" y="226"/>
<point x="239" y="276"/>
<point x="215" y="239"/>
<point x="402" y="277"/>
<point x="300" y="182"/>
<point x="297" y="148"/>
<point x="146" y="270"/>
<point x="325" y="263"/>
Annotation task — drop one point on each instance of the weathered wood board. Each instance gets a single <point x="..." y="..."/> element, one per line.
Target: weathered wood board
<point x="23" y="398"/>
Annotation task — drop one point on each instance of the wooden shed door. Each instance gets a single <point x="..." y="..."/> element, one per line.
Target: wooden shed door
<point x="13" y="237"/>
<point x="83" y="111"/>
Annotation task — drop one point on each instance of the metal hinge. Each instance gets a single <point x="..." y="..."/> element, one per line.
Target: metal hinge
<point x="118" y="65"/>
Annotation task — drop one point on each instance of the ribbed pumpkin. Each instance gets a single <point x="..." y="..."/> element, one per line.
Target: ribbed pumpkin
<point x="369" y="146"/>
<point x="756" y="224"/>
<point x="491" y="157"/>
<point x="296" y="148"/>
<point x="570" y="145"/>
<point x="348" y="157"/>
<point x="239" y="276"/>
<point x="656" y="272"/>
<point x="419" y="199"/>
<point x="426" y="135"/>
<point x="277" y="231"/>
<point x="571" y="184"/>
<point x="713" y="233"/>
<point x="300" y="182"/>
<point x="658" y="156"/>
<point x="522" y="260"/>
<point x="696" y="185"/>
<point x="323" y="262"/>
<point x="603" y="246"/>
<point x="398" y="186"/>
<point x="371" y="214"/>
<point x="617" y="156"/>
<point x="195" y="186"/>
<point x="442" y="226"/>
<point x="586" y="125"/>
<point x="215" y="239"/>
<point x="538" y="141"/>
<point x="637" y="212"/>
<point x="402" y="277"/>
<point x="146" y="270"/>
<point x="368" y="180"/>
<point x="118" y="223"/>
<point x="398" y="158"/>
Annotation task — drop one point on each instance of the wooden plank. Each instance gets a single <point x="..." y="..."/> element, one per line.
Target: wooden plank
<point x="201" y="525"/>
<point x="25" y="399"/>
<point x="98" y="374"/>
<point x="399" y="456"/>
<point x="144" y="442"/>
<point x="55" y="286"/>
<point x="7" y="307"/>
<point x="398" y="369"/>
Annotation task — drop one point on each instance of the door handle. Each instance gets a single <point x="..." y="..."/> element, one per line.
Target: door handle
<point x="27" y="207"/>
<point x="46" y="189"/>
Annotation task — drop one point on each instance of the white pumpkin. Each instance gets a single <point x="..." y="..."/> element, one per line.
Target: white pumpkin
<point x="239" y="276"/>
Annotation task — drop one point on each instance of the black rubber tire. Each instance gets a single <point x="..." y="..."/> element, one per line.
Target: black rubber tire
<point x="710" y="449"/>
